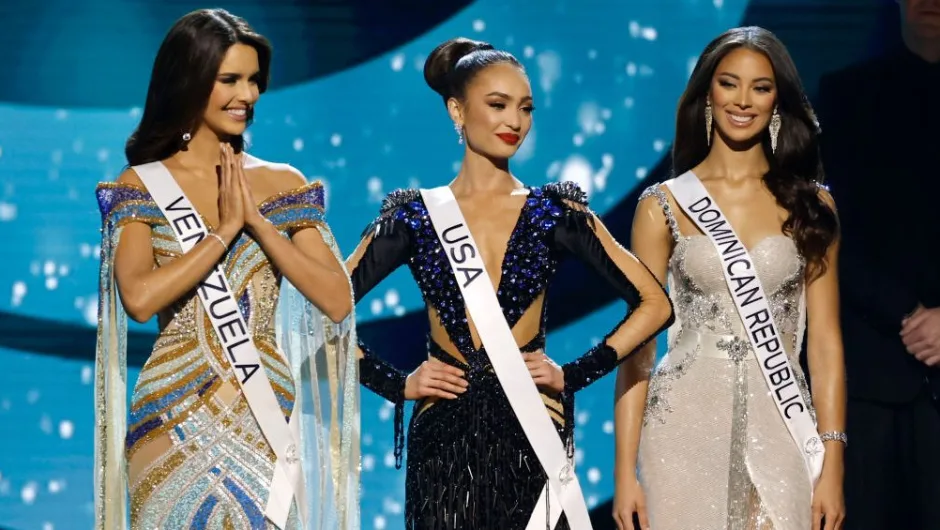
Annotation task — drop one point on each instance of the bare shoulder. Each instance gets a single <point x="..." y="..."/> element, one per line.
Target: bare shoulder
<point x="129" y="176"/>
<point x="277" y="176"/>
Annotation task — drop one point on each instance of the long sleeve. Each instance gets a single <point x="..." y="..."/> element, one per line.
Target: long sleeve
<point x="650" y="311"/>
<point x="386" y="245"/>
<point x="871" y="289"/>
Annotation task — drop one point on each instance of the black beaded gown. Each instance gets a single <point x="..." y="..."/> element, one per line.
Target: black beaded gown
<point x="470" y="465"/>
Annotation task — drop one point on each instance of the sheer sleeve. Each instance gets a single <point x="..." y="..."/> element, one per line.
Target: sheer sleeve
<point x="580" y="233"/>
<point x="386" y="245"/>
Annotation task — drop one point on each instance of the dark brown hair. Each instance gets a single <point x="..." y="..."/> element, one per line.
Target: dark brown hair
<point x="182" y="79"/>
<point x="453" y="64"/>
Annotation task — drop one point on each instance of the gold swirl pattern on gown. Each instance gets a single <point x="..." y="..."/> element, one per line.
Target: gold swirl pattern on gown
<point x="714" y="451"/>
<point x="212" y="466"/>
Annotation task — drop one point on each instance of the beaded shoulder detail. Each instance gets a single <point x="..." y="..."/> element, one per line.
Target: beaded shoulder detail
<point x="399" y="198"/>
<point x="567" y="190"/>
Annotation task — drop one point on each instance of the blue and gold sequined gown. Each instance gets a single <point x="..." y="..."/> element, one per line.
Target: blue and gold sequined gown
<point x="714" y="451"/>
<point x="469" y="462"/>
<point x="196" y="455"/>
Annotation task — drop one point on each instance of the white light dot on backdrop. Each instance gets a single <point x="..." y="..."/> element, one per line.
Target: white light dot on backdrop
<point x="399" y="311"/>
<point x="135" y="112"/>
<point x="628" y="102"/>
<point x="578" y="170"/>
<point x="578" y="139"/>
<point x="592" y="54"/>
<point x="479" y="25"/>
<point x="649" y="33"/>
<point x="247" y="136"/>
<point x="718" y="3"/>
<point x="78" y="145"/>
<point x="66" y="429"/>
<point x="28" y="493"/>
<point x="298" y="144"/>
<point x="87" y="375"/>
<point x="389" y="459"/>
<point x="103" y="155"/>
<point x="336" y="139"/>
<point x="594" y="475"/>
<point x="641" y="172"/>
<point x="63" y="270"/>
<point x="592" y="501"/>
<point x="48" y="268"/>
<point x="631" y="69"/>
<point x="391" y="506"/>
<point x="52" y="283"/>
<point x="1" y="151"/>
<point x="19" y="291"/>
<point x="341" y="162"/>
<point x="61" y="114"/>
<point x="385" y="411"/>
<point x="578" y="456"/>
<point x="57" y="156"/>
<point x="32" y="396"/>
<point x="55" y="486"/>
<point x="374" y="185"/>
<point x="599" y="128"/>
<point x="7" y="211"/>
<point x="582" y="417"/>
<point x="398" y="62"/>
<point x="90" y="311"/>
<point x="376" y="306"/>
<point x="47" y="526"/>
<point x="392" y="298"/>
<point x="4" y="487"/>
<point x="608" y="427"/>
<point x="79" y="302"/>
<point x="528" y="52"/>
<point x="45" y="424"/>
<point x="659" y="145"/>
<point x="368" y="462"/>
<point x="366" y="439"/>
<point x="5" y="404"/>
<point x="379" y="522"/>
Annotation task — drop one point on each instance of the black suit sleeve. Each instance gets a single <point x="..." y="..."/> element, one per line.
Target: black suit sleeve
<point x="882" y="296"/>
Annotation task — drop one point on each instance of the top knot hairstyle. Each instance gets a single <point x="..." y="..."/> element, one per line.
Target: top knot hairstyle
<point x="453" y="64"/>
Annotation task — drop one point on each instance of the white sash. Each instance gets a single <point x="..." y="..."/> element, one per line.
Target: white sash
<point x="483" y="307"/>
<point x="234" y="335"/>
<point x="751" y="303"/>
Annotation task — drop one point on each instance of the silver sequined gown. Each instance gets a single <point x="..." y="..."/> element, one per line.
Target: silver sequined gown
<point x="714" y="452"/>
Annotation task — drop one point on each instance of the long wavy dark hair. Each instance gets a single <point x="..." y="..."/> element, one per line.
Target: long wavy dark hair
<point x="795" y="169"/>
<point x="182" y="79"/>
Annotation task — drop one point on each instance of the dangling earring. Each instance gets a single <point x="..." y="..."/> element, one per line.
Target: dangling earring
<point x="708" y="122"/>
<point x="774" y="130"/>
<point x="459" y="130"/>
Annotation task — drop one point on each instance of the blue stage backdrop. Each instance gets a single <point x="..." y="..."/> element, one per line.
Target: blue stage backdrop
<point x="606" y="76"/>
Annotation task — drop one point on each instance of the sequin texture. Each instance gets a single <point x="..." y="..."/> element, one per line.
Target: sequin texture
<point x="714" y="451"/>
<point x="201" y="460"/>
<point x="469" y="463"/>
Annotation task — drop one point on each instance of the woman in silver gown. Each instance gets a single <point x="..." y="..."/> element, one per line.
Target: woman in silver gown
<point x="700" y="442"/>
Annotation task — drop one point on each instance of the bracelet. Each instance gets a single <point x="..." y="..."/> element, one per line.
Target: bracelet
<point x="834" y="436"/>
<point x="221" y="241"/>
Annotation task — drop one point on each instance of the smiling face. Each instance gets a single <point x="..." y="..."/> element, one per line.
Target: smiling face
<point x="235" y="92"/>
<point x="496" y="112"/>
<point x="743" y="95"/>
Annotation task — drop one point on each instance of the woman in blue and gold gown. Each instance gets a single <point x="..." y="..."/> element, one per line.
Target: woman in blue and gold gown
<point x="190" y="449"/>
<point x="470" y="465"/>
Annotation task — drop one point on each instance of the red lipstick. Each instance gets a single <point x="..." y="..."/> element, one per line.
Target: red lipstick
<point x="509" y="138"/>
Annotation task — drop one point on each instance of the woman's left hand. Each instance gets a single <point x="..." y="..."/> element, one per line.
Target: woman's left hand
<point x="253" y="217"/>
<point x="828" y="503"/>
<point x="546" y="374"/>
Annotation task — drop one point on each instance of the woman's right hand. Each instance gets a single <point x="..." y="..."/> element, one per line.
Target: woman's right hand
<point x="435" y="379"/>
<point x="231" y="209"/>
<point x="629" y="499"/>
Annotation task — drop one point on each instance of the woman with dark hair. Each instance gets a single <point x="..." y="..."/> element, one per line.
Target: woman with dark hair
<point x="493" y="420"/>
<point x="729" y="435"/>
<point x="226" y="429"/>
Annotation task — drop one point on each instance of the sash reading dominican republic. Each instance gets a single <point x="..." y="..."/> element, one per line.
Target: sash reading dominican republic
<point x="483" y="306"/>
<point x="751" y="303"/>
<point x="236" y="340"/>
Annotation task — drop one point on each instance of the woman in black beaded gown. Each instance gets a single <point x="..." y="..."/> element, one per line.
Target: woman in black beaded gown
<point x="470" y="464"/>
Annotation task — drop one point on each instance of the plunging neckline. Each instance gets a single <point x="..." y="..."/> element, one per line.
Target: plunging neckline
<point x="520" y="218"/>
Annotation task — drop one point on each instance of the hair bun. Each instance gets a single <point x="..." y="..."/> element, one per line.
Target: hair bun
<point x="442" y="61"/>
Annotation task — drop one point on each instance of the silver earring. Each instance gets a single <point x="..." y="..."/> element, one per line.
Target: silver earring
<point x="187" y="137"/>
<point x="774" y="130"/>
<point x="708" y="122"/>
<point x="459" y="130"/>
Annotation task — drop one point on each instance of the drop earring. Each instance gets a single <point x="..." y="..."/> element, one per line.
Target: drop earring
<point x="459" y="131"/>
<point x="708" y="122"/>
<point x="774" y="130"/>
